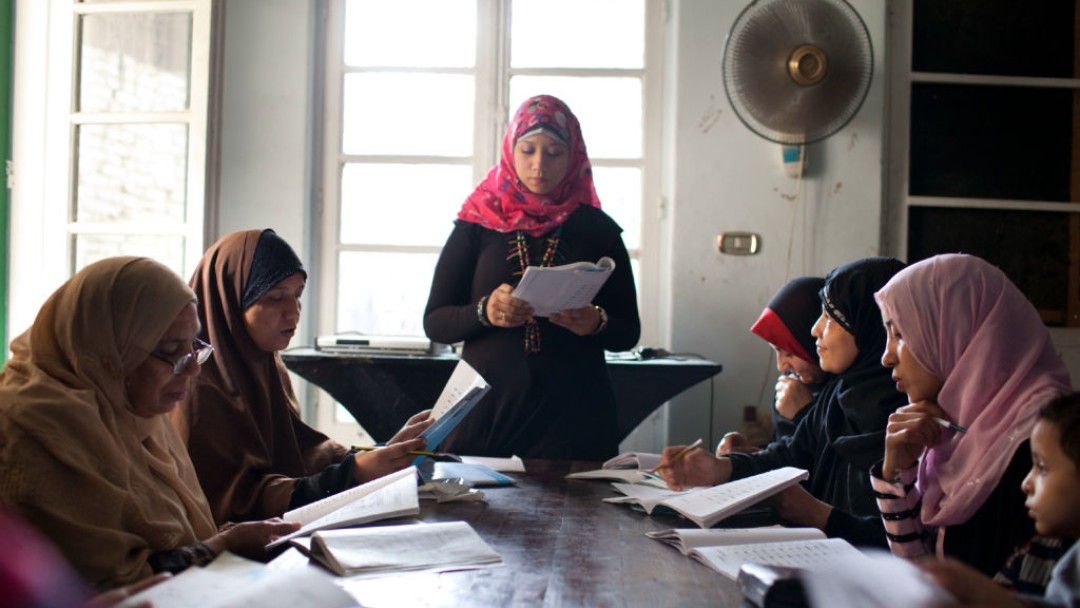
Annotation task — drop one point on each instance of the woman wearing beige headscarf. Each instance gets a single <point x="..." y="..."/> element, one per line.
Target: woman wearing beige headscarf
<point x="254" y="455"/>
<point x="85" y="454"/>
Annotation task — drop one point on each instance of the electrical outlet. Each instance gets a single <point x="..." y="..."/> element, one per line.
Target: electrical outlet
<point x="738" y="243"/>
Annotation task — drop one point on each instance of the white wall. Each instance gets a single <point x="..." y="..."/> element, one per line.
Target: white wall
<point x="724" y="177"/>
<point x="719" y="176"/>
<point x="267" y="118"/>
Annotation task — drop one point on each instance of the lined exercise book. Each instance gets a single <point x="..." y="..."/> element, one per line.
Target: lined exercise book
<point x="408" y="548"/>
<point x="633" y="476"/>
<point x="810" y="554"/>
<point x="688" y="539"/>
<point x="394" y="495"/>
<point x="707" y="506"/>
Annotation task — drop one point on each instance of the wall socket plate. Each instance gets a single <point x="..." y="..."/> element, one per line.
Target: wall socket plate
<point x="738" y="243"/>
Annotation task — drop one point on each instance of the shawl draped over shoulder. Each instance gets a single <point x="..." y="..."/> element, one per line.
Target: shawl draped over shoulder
<point x="242" y="423"/>
<point x="107" y="487"/>
<point x="966" y="323"/>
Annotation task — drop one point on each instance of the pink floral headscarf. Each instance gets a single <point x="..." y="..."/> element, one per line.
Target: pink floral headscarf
<point x="503" y="204"/>
<point x="966" y="323"/>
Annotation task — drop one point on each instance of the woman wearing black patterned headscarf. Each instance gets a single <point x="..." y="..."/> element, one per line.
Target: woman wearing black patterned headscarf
<point x="844" y="433"/>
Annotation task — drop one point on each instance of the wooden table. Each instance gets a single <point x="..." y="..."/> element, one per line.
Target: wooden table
<point x="561" y="546"/>
<point x="381" y="391"/>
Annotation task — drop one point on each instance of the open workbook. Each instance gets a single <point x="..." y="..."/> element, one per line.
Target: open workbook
<point x="822" y="553"/>
<point x="462" y="392"/>
<point x="394" y="495"/>
<point x="635" y="476"/>
<point x="450" y="545"/>
<point x="551" y="289"/>
<point x="707" y="506"/>
<point x="628" y="467"/>
<point x="633" y="460"/>
<point x="688" y="539"/>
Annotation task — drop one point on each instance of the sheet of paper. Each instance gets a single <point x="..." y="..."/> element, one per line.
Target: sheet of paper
<point x="512" y="464"/>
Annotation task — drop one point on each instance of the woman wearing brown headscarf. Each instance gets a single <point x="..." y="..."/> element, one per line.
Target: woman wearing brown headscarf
<point x="254" y="455"/>
<point x="86" y="455"/>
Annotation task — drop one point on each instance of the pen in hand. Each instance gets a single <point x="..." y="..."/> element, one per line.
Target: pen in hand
<point x="949" y="425"/>
<point x="680" y="454"/>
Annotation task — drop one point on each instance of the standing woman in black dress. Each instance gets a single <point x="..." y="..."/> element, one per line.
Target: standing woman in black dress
<point x="551" y="396"/>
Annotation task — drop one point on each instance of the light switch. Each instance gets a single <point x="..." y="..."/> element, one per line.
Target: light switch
<point x="738" y="243"/>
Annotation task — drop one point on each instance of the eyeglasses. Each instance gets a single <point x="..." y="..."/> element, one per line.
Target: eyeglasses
<point x="200" y="351"/>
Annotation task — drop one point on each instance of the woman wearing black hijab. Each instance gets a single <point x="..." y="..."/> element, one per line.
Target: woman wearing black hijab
<point x="843" y="435"/>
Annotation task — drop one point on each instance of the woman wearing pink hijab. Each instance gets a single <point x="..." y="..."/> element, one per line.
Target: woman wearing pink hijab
<point x="550" y="393"/>
<point x="976" y="363"/>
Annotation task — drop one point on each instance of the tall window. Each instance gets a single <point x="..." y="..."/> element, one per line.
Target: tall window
<point x="122" y="168"/>
<point x="419" y="93"/>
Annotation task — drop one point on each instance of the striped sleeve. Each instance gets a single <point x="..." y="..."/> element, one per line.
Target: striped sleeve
<point x="900" y="503"/>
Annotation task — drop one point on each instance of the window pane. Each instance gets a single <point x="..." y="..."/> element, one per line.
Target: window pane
<point x="963" y="145"/>
<point x="609" y="109"/>
<point x="1032" y="248"/>
<point x="542" y="32"/>
<point x="377" y="208"/>
<point x="619" y="189"/>
<point x="134" y="63"/>
<point x="384" y="293"/>
<point x="133" y="172"/>
<point x="998" y="37"/>
<point x="418" y="33"/>
<point x="399" y="114"/>
<point x="168" y="250"/>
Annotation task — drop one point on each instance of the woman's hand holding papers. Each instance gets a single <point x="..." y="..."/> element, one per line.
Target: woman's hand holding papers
<point x="695" y="468"/>
<point x="398" y="451"/>
<point x="504" y="310"/>
<point x="582" y="321"/>
<point x="415" y="425"/>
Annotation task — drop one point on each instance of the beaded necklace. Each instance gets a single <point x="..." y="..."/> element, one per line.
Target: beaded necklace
<point x="519" y="248"/>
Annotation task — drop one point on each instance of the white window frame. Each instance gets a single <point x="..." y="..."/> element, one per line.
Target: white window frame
<point x="493" y="45"/>
<point x="43" y="151"/>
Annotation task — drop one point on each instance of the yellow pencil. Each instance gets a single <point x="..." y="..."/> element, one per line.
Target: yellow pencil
<point x="368" y="448"/>
<point x="682" y="452"/>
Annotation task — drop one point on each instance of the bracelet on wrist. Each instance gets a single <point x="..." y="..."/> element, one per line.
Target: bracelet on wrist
<point x="481" y="312"/>
<point x="602" y="325"/>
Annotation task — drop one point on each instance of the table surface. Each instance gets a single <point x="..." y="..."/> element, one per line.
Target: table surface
<point x="381" y="391"/>
<point x="561" y="546"/>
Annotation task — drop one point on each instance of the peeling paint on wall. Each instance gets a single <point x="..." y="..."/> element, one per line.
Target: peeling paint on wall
<point x="711" y="116"/>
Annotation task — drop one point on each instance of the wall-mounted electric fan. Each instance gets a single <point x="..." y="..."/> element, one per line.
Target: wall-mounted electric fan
<point x="796" y="71"/>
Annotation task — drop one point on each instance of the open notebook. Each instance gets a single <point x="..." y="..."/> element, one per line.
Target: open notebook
<point x="707" y="506"/>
